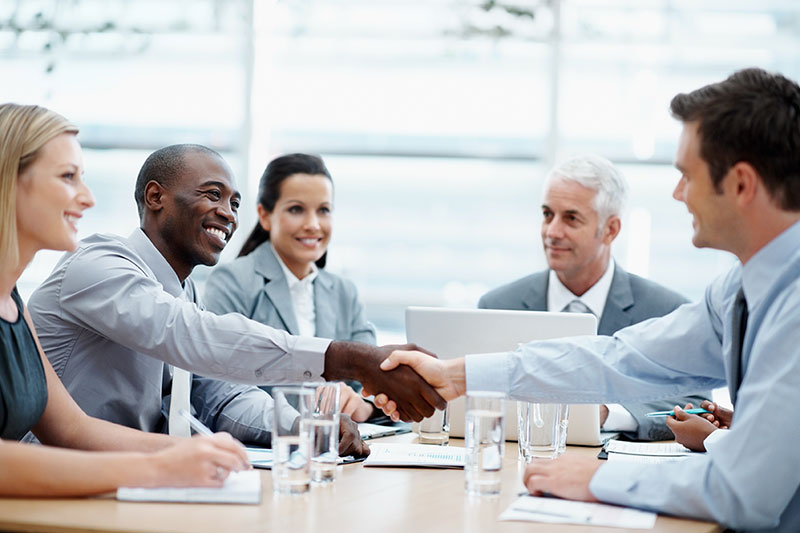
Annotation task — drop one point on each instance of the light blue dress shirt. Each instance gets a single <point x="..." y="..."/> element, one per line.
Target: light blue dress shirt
<point x="748" y="480"/>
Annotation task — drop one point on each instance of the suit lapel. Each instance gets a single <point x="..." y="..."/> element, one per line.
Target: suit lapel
<point x="618" y="303"/>
<point x="535" y="299"/>
<point x="324" y="311"/>
<point x="276" y="287"/>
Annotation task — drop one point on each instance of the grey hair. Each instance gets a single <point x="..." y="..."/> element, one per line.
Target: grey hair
<point x="598" y="174"/>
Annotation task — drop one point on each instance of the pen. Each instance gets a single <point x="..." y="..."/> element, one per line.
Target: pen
<point x="697" y="411"/>
<point x="195" y="423"/>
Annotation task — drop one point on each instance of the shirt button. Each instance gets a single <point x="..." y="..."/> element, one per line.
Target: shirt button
<point x="258" y="373"/>
<point x="307" y="374"/>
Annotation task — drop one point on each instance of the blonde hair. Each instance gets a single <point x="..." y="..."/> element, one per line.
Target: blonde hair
<point x="24" y="129"/>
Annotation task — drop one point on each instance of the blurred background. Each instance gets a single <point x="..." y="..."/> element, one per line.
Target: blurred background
<point x="437" y="118"/>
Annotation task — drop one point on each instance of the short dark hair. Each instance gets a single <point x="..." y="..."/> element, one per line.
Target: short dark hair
<point x="753" y="116"/>
<point x="163" y="166"/>
<point x="269" y="190"/>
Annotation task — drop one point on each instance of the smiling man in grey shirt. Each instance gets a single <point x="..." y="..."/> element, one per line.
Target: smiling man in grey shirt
<point x="118" y="313"/>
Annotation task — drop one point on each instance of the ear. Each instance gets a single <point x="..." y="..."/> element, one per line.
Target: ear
<point x="744" y="181"/>
<point x="154" y="196"/>
<point x="263" y="217"/>
<point x="611" y="229"/>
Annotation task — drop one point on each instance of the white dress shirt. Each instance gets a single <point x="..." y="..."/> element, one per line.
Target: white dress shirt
<point x="302" y="293"/>
<point x="558" y="297"/>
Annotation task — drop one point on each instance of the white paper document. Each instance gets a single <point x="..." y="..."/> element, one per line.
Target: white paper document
<point x="643" y="459"/>
<point x="663" y="449"/>
<point x="374" y="431"/>
<point x="392" y="454"/>
<point x="555" y="511"/>
<point x="239" y="487"/>
<point x="260" y="457"/>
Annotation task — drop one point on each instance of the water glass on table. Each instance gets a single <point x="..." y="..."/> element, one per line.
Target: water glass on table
<point x="435" y="429"/>
<point x="484" y="440"/>
<point x="542" y="430"/>
<point x="291" y="439"/>
<point x="323" y="425"/>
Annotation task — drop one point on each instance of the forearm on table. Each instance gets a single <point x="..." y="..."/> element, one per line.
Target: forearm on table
<point x="33" y="470"/>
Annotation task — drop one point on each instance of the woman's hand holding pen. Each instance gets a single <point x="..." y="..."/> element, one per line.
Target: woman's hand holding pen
<point x="200" y="461"/>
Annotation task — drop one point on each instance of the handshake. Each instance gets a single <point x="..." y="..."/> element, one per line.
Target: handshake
<point x="407" y="382"/>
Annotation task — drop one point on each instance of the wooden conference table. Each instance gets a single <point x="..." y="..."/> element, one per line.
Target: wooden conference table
<point x="361" y="500"/>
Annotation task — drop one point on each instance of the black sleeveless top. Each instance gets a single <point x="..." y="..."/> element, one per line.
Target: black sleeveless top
<point x="23" y="386"/>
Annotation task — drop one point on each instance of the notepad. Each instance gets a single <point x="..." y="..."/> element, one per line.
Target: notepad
<point x="239" y="487"/>
<point x="556" y="511"/>
<point x="415" y="455"/>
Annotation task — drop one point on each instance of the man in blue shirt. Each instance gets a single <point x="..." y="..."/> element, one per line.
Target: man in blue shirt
<point x="739" y="158"/>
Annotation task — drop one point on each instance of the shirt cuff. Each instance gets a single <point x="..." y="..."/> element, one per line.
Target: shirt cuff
<point x="309" y="356"/>
<point x="619" y="419"/>
<point x="487" y="372"/>
<point x="713" y="438"/>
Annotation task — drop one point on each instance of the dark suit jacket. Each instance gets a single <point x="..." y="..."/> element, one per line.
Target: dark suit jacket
<point x="631" y="299"/>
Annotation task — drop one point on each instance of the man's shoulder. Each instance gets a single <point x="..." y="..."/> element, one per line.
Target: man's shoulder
<point x="510" y="295"/>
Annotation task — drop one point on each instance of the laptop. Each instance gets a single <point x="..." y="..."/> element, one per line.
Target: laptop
<point x="451" y="333"/>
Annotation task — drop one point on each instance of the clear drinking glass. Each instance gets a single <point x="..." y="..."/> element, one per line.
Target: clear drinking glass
<point x="542" y="430"/>
<point x="484" y="440"/>
<point x="323" y="425"/>
<point x="291" y="439"/>
<point x="436" y="428"/>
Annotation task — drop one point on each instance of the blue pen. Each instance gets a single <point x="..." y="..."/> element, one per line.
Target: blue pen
<point x="697" y="411"/>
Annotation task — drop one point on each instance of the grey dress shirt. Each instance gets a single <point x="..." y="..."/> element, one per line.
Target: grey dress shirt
<point x="113" y="312"/>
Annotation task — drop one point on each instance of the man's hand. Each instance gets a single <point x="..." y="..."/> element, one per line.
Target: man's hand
<point x="353" y="405"/>
<point x="566" y="477"/>
<point x="719" y="416"/>
<point x="603" y="414"/>
<point x="350" y="442"/>
<point x="354" y="360"/>
<point x="690" y="430"/>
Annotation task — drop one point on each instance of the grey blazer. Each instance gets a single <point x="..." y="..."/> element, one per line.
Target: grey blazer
<point x="255" y="286"/>
<point x="631" y="299"/>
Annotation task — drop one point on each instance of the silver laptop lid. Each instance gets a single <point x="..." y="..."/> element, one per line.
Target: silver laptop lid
<point x="451" y="333"/>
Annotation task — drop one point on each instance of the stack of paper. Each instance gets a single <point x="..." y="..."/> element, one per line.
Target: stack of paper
<point x="415" y="455"/>
<point x="552" y="510"/>
<point x="239" y="487"/>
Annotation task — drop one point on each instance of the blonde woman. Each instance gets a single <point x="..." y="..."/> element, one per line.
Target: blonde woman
<point x="42" y="197"/>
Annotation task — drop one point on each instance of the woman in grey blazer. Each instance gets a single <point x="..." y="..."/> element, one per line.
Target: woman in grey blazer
<point x="279" y="278"/>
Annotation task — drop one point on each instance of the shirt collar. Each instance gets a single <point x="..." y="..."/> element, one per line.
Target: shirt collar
<point x="162" y="270"/>
<point x="558" y="295"/>
<point x="761" y="271"/>
<point x="292" y="280"/>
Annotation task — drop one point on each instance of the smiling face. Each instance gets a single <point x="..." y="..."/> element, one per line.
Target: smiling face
<point x="51" y="197"/>
<point x="713" y="218"/>
<point x="199" y="212"/>
<point x="575" y="245"/>
<point x="300" y="225"/>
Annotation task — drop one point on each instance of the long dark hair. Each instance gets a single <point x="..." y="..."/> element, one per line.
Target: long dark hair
<point x="269" y="190"/>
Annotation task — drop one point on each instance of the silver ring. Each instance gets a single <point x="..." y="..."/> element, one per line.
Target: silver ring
<point x="220" y="473"/>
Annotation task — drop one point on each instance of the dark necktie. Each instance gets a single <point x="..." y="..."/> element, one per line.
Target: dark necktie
<point x="738" y="327"/>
